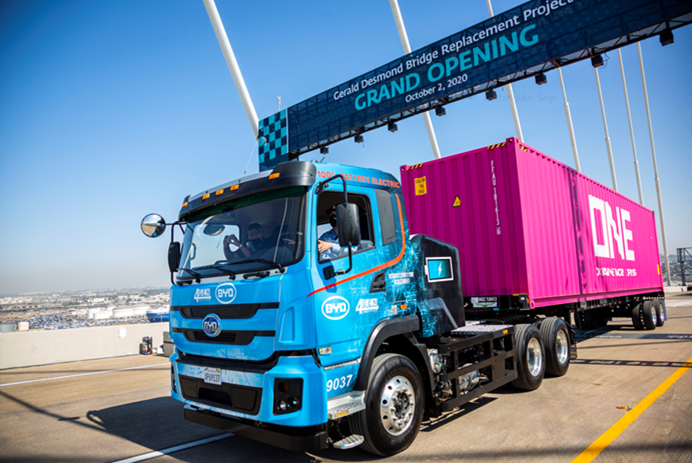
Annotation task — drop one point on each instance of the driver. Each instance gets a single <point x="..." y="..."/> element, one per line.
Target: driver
<point x="256" y="244"/>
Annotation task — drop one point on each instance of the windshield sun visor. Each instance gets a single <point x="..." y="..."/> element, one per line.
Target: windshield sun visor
<point x="285" y="175"/>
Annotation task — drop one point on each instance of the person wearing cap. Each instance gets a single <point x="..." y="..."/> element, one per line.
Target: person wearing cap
<point x="328" y="243"/>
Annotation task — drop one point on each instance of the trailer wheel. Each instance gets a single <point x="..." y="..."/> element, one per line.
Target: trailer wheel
<point x="637" y="317"/>
<point x="393" y="406"/>
<point x="557" y="346"/>
<point x="649" y="315"/>
<point x="530" y="358"/>
<point x="661" y="313"/>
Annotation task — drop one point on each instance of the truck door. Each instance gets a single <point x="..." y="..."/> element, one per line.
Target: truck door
<point x="346" y="309"/>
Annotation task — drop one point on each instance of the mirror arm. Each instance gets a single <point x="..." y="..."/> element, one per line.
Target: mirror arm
<point x="323" y="183"/>
<point x="350" y="261"/>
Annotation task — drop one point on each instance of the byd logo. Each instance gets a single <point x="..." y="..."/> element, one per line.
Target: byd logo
<point x="612" y="230"/>
<point x="211" y="325"/>
<point x="335" y="308"/>
<point x="225" y="293"/>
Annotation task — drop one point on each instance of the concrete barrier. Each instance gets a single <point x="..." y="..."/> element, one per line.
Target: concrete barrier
<point x="39" y="347"/>
<point x="675" y="289"/>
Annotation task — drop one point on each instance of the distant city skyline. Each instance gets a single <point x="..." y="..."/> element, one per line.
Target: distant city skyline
<point x="113" y="110"/>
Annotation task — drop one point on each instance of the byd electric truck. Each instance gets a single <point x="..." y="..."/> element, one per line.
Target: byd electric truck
<point x="318" y="305"/>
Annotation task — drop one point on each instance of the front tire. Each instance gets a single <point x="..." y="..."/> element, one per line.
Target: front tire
<point x="557" y="346"/>
<point x="393" y="406"/>
<point x="529" y="357"/>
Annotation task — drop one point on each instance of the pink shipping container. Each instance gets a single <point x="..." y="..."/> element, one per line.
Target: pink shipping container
<point x="525" y="223"/>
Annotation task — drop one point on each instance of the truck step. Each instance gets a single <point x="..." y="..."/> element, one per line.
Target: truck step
<point x="479" y="329"/>
<point x="349" y="442"/>
<point x="345" y="404"/>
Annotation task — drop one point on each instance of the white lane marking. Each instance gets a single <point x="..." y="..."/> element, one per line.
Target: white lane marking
<point x="177" y="448"/>
<point x="83" y="374"/>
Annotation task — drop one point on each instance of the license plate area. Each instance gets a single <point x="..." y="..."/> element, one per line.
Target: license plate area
<point x="212" y="376"/>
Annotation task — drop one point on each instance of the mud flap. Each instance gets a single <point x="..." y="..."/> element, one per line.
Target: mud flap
<point x="573" y="342"/>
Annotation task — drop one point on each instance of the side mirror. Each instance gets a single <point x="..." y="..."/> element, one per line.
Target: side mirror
<point x="153" y="225"/>
<point x="173" y="256"/>
<point x="348" y="223"/>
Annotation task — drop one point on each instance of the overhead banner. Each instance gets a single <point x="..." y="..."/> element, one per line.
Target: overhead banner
<point x="534" y="33"/>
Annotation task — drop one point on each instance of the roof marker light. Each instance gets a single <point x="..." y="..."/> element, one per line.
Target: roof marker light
<point x="218" y="192"/>
<point x="206" y="196"/>
<point x="273" y="176"/>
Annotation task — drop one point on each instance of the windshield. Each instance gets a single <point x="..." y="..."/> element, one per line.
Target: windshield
<point x="253" y="234"/>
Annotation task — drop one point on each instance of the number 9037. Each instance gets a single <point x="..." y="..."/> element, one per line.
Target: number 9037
<point x="338" y="383"/>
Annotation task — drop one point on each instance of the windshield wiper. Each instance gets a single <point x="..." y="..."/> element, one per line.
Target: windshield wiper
<point x="262" y="261"/>
<point x="194" y="274"/>
<point x="226" y="271"/>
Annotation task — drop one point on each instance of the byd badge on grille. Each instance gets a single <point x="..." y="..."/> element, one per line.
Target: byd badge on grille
<point x="211" y="325"/>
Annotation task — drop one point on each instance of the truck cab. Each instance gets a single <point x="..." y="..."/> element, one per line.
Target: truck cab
<point x="281" y="343"/>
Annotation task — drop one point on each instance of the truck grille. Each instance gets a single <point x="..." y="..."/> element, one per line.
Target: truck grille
<point x="242" y="399"/>
<point x="233" y="311"/>
<point x="236" y="338"/>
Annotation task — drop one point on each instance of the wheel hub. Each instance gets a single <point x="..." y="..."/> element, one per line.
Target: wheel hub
<point x="534" y="357"/>
<point x="397" y="404"/>
<point x="562" y="347"/>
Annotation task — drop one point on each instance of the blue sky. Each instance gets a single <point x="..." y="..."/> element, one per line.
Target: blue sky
<point x="110" y="110"/>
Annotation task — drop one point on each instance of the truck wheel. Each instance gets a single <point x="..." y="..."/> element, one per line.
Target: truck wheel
<point x="649" y="315"/>
<point x="557" y="345"/>
<point x="530" y="358"/>
<point x="661" y="314"/>
<point x="637" y="317"/>
<point x="393" y="406"/>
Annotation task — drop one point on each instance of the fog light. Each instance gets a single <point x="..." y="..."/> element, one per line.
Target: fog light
<point x="288" y="395"/>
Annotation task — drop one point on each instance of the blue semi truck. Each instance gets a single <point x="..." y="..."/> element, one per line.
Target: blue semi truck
<point x="302" y="349"/>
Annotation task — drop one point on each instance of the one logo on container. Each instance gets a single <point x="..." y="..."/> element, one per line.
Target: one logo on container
<point x="211" y="325"/>
<point x="225" y="293"/>
<point x="335" y="308"/>
<point x="613" y="230"/>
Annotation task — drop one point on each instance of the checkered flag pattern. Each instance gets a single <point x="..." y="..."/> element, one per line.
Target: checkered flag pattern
<point x="273" y="139"/>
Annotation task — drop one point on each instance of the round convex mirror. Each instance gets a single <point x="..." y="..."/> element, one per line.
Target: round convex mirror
<point x="153" y="225"/>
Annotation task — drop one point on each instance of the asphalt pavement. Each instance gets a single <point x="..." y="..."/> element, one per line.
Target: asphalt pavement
<point x="118" y="409"/>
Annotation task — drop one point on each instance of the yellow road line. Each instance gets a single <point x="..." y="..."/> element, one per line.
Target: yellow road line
<point x="611" y="434"/>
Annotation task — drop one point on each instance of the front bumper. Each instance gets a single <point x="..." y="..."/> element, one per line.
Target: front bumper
<point x="303" y="439"/>
<point x="249" y="395"/>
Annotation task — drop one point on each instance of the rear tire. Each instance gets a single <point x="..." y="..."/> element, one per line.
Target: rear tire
<point x="530" y="358"/>
<point x="557" y="346"/>
<point x="393" y="406"/>
<point x="637" y="320"/>
<point x="661" y="313"/>
<point x="649" y="315"/>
